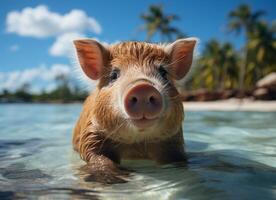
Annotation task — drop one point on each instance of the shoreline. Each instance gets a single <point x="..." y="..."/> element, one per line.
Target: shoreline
<point x="219" y="105"/>
<point x="231" y="105"/>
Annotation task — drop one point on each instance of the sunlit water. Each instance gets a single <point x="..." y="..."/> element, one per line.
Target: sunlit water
<point x="232" y="155"/>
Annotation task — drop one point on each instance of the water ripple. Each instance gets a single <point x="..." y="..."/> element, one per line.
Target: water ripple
<point x="231" y="155"/>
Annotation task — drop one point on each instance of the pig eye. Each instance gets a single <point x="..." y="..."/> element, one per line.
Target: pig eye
<point x="163" y="72"/>
<point x="114" y="75"/>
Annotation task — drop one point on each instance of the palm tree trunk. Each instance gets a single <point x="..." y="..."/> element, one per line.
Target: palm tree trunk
<point x="242" y="72"/>
<point x="223" y="78"/>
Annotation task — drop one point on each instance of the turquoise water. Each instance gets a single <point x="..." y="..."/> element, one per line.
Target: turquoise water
<point x="232" y="155"/>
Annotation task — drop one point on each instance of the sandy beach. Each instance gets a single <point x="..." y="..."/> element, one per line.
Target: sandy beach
<point x="232" y="105"/>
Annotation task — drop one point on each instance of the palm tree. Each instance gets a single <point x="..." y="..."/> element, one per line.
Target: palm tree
<point x="211" y="63"/>
<point x="217" y="67"/>
<point x="244" y="19"/>
<point x="230" y="66"/>
<point x="262" y="47"/>
<point x="157" y="22"/>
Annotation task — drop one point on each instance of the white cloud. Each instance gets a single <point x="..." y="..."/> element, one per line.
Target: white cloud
<point x="39" y="77"/>
<point x="14" y="48"/>
<point x="40" y="22"/>
<point x="63" y="46"/>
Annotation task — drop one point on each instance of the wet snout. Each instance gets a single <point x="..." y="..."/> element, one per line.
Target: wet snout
<point x="143" y="102"/>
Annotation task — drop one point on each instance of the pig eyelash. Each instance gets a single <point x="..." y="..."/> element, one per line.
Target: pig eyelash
<point x="172" y="63"/>
<point x="114" y="75"/>
<point x="166" y="83"/>
<point x="163" y="72"/>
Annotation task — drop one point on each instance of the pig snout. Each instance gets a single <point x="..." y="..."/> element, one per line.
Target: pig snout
<point x="143" y="103"/>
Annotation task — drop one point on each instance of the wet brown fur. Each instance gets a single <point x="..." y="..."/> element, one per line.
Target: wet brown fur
<point x="96" y="141"/>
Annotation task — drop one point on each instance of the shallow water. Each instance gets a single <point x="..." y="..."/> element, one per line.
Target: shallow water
<point x="232" y="155"/>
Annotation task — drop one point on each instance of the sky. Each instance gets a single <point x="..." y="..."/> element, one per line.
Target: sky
<point x="36" y="35"/>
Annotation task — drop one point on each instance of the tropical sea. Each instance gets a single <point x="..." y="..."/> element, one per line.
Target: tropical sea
<point x="231" y="155"/>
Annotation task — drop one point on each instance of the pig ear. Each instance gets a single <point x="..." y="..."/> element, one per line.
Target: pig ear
<point x="91" y="57"/>
<point x="181" y="56"/>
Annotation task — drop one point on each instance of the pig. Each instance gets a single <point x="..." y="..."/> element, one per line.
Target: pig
<point x="136" y="111"/>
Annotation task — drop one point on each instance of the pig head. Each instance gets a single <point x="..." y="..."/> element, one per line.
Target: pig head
<point x="136" y="111"/>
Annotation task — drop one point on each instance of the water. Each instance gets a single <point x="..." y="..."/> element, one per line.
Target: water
<point x="232" y="155"/>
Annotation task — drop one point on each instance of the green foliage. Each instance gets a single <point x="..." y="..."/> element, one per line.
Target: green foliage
<point x="217" y="68"/>
<point x="65" y="92"/>
<point x="220" y="66"/>
<point x="157" y="22"/>
<point x="260" y="47"/>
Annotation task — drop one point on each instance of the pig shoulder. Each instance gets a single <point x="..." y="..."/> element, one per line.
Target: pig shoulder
<point x="83" y="120"/>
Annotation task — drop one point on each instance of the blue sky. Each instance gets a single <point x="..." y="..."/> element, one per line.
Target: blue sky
<point x="26" y="49"/>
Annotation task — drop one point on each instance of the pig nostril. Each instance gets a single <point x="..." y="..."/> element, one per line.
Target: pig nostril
<point x="134" y="100"/>
<point x="152" y="100"/>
